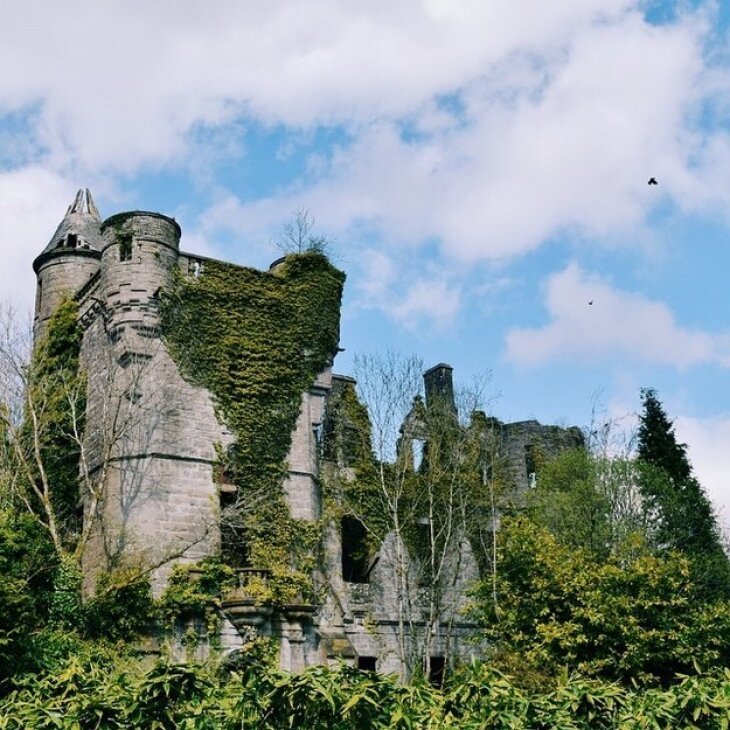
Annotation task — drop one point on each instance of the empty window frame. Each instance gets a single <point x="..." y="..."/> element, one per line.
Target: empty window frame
<point x="367" y="663"/>
<point x="125" y="247"/>
<point x="530" y="468"/>
<point x="355" y="558"/>
<point x="437" y="671"/>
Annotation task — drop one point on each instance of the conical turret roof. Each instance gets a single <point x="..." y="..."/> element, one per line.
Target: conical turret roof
<point x="80" y="227"/>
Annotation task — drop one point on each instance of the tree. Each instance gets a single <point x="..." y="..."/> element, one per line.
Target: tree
<point x="56" y="455"/>
<point x="635" y="617"/>
<point x="297" y="235"/>
<point x="682" y="517"/>
<point x="414" y="478"/>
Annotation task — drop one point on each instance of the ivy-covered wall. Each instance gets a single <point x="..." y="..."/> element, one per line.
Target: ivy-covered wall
<point x="257" y="340"/>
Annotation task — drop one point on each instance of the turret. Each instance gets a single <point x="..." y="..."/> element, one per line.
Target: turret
<point x="70" y="259"/>
<point x="139" y="256"/>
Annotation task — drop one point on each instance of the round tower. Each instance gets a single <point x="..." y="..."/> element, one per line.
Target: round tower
<point x="139" y="254"/>
<point x="70" y="259"/>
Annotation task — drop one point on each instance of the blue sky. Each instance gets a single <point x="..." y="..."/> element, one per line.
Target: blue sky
<point x="481" y="166"/>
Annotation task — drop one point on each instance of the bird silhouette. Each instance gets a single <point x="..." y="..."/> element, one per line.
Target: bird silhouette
<point x="652" y="181"/>
<point x="590" y="304"/>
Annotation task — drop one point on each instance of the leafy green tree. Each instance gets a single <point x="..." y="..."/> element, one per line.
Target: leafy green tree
<point x="682" y="515"/>
<point x="26" y="570"/>
<point x="635" y="617"/>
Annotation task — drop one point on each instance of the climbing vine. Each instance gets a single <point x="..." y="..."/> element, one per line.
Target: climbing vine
<point x="257" y="340"/>
<point x="55" y="382"/>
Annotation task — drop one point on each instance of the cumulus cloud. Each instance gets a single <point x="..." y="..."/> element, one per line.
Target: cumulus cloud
<point x="413" y="296"/>
<point x="618" y="325"/>
<point x="485" y="128"/>
<point x="548" y="133"/>
<point x="121" y="83"/>
<point x="32" y="203"/>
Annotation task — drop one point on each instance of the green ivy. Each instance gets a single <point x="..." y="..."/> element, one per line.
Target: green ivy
<point x="55" y="377"/>
<point x="257" y="340"/>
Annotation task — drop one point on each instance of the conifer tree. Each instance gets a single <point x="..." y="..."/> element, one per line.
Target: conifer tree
<point x="682" y="515"/>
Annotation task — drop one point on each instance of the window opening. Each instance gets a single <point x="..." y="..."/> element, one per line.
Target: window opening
<point x="72" y="240"/>
<point x="125" y="247"/>
<point x="530" y="466"/>
<point x="437" y="671"/>
<point x="367" y="663"/>
<point x="418" y="448"/>
<point x="354" y="550"/>
<point x="233" y="544"/>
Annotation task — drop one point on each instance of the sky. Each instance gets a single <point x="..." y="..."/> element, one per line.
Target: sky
<point x="479" y="166"/>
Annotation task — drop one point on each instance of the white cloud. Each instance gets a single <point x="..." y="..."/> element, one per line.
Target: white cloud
<point x="548" y="133"/>
<point x="32" y="203"/>
<point x="414" y="296"/>
<point x="123" y="82"/>
<point x="484" y="127"/>
<point x="619" y="325"/>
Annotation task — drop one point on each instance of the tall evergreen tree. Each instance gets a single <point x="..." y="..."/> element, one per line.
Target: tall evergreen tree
<point x="682" y="514"/>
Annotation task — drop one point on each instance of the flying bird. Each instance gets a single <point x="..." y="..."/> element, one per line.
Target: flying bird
<point x="590" y="304"/>
<point x="652" y="181"/>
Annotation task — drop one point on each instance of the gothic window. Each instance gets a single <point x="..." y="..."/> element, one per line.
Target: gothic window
<point x="354" y="550"/>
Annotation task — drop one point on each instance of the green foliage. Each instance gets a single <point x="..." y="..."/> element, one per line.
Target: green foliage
<point x="99" y="690"/>
<point x="194" y="591"/>
<point x="567" y="502"/>
<point x="634" y="618"/>
<point x="257" y="340"/>
<point x="26" y="570"/>
<point x="121" y="609"/>
<point x="57" y="398"/>
<point x="347" y="443"/>
<point x="66" y="597"/>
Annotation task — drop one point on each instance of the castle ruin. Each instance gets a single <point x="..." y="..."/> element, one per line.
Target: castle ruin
<point x="154" y="440"/>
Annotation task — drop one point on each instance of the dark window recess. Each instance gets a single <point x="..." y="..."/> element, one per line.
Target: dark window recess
<point x="72" y="240"/>
<point x="437" y="671"/>
<point x="367" y="663"/>
<point x="354" y="550"/>
<point x="125" y="247"/>
<point x="530" y="464"/>
<point x="233" y="542"/>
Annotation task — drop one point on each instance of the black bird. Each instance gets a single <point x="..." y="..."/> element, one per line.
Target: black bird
<point x="590" y="303"/>
<point x="652" y="181"/>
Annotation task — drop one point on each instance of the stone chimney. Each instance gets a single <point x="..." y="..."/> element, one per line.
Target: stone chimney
<point x="440" y="386"/>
